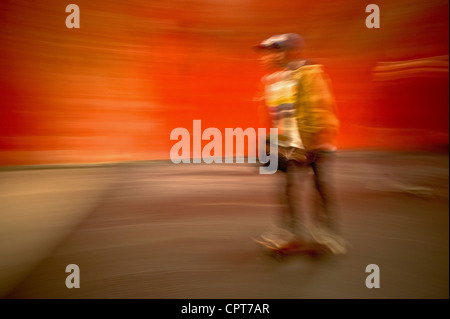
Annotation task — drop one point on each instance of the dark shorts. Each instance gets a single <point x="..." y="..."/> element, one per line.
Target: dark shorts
<point x="296" y="156"/>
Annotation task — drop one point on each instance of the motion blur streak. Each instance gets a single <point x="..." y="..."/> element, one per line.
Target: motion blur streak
<point x="115" y="88"/>
<point x="104" y="99"/>
<point x="426" y="67"/>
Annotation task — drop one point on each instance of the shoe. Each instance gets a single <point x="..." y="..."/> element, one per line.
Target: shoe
<point x="280" y="238"/>
<point x="332" y="241"/>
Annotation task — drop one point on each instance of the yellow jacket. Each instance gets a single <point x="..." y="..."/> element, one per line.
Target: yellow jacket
<point x="315" y="108"/>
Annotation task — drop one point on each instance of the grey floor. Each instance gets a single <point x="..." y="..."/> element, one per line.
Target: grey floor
<point x="161" y="230"/>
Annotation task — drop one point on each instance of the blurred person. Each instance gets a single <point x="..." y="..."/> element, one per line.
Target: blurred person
<point x="299" y="102"/>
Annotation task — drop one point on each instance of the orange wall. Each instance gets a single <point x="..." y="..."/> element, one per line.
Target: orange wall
<point x="115" y="88"/>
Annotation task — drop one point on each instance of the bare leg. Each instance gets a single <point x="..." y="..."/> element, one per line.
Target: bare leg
<point x="323" y="181"/>
<point x="288" y="195"/>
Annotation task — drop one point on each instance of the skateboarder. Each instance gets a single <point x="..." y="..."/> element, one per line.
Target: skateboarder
<point x="299" y="102"/>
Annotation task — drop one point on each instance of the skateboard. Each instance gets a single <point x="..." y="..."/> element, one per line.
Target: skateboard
<point x="312" y="249"/>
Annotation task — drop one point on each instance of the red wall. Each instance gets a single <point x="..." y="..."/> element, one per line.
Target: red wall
<point x="115" y="88"/>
